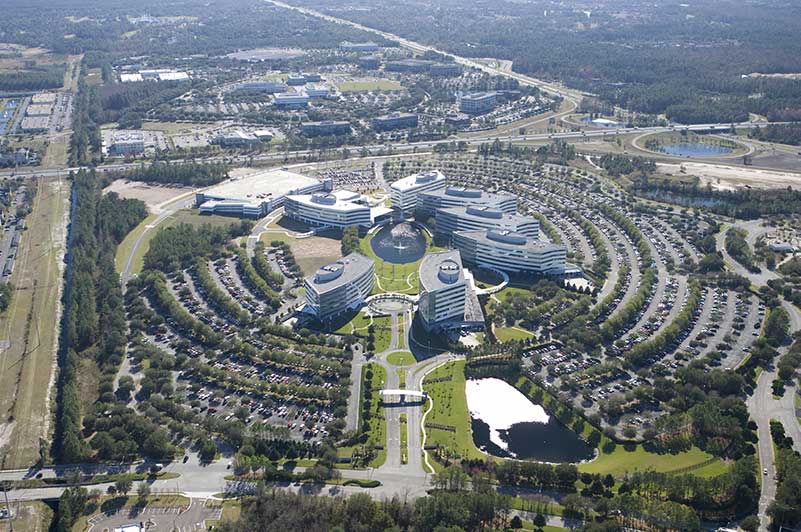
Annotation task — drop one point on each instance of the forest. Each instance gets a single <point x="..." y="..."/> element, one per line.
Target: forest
<point x="189" y="174"/>
<point x="93" y="329"/>
<point x="694" y="63"/>
<point x="33" y="80"/>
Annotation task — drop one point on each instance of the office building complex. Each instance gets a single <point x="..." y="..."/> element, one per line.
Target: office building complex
<point x="127" y="143"/>
<point x="406" y="191"/>
<point x="260" y="86"/>
<point x="510" y="252"/>
<point x="445" y="69"/>
<point x="465" y="197"/>
<point x="340" y="286"/>
<point x="394" y="121"/>
<point x="478" y="103"/>
<point x="325" y="127"/>
<point x="446" y="300"/>
<point x="291" y="99"/>
<point x="236" y="138"/>
<point x="255" y="195"/>
<point x="317" y="91"/>
<point x="338" y="209"/>
<point x="454" y="219"/>
<point x="408" y="65"/>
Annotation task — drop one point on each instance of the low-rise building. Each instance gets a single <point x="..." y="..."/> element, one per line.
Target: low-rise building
<point x="446" y="300"/>
<point x="260" y="86"/>
<point x="455" y="196"/>
<point x="457" y="120"/>
<point x="32" y="124"/>
<point x="127" y="143"/>
<point x="454" y="219"/>
<point x="408" y="65"/>
<point x="404" y="192"/>
<point x="236" y="138"/>
<point x="291" y="99"/>
<point x="369" y="62"/>
<point x="294" y="80"/>
<point x="339" y="209"/>
<point x="394" y="121"/>
<point x="325" y="127"/>
<point x="317" y="91"/>
<point x="340" y="286"/>
<point x="478" y="103"/>
<point x="255" y="195"/>
<point x="510" y="252"/>
<point x="445" y="69"/>
<point x="39" y="109"/>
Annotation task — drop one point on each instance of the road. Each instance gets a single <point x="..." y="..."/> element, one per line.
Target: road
<point x="753" y="229"/>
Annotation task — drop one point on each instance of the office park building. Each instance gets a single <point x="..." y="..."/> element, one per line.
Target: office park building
<point x="405" y="192"/>
<point x="510" y="252"/>
<point x="446" y="300"/>
<point x="475" y="218"/>
<point x="340" y="286"/>
<point x="339" y="209"/>
<point x="452" y="196"/>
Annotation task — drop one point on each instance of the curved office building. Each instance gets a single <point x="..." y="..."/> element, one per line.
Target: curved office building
<point x="446" y="300"/>
<point x="451" y="197"/>
<point x="339" y="209"/>
<point x="405" y="192"/>
<point x="450" y="221"/>
<point x="340" y="286"/>
<point x="510" y="252"/>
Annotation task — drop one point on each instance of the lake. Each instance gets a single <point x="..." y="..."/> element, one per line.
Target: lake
<point x="695" y="149"/>
<point x="507" y="424"/>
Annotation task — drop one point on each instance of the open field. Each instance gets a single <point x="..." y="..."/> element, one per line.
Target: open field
<point x="366" y="85"/>
<point x="152" y="195"/>
<point x="505" y="334"/>
<point x="731" y="177"/>
<point x="450" y="409"/>
<point x="30" y="517"/>
<point x="187" y="216"/>
<point x="310" y="253"/>
<point x="29" y="329"/>
<point x="57" y="152"/>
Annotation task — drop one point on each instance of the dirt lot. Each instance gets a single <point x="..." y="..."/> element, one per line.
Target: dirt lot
<point x="27" y="331"/>
<point x="310" y="253"/>
<point x="30" y="517"/>
<point x="153" y="196"/>
<point x="730" y="177"/>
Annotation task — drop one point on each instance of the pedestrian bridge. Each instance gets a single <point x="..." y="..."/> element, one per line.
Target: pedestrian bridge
<point x="403" y="393"/>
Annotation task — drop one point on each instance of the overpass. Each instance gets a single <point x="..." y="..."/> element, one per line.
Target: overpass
<point x="402" y="394"/>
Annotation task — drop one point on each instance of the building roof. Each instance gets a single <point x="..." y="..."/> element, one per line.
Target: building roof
<point x="263" y="185"/>
<point x="509" y="239"/>
<point x="415" y="180"/>
<point x="395" y="116"/>
<point x="340" y="272"/>
<point x="341" y="200"/>
<point x="483" y="213"/>
<point x="479" y="95"/>
<point x="474" y="195"/>
<point x="441" y="270"/>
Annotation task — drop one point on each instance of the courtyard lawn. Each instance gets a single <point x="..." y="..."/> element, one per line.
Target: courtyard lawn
<point x="390" y="277"/>
<point x="450" y="410"/>
<point x="401" y="358"/>
<point x="377" y="433"/>
<point x="367" y="85"/>
<point x="505" y="334"/>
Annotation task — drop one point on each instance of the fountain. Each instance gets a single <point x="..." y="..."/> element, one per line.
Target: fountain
<point x="399" y="244"/>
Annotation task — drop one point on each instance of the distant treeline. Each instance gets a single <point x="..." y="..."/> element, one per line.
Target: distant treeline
<point x="781" y="133"/>
<point x="33" y="80"/>
<point x="94" y="324"/>
<point x="191" y="174"/>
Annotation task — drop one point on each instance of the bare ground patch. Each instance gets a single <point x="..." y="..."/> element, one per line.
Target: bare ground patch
<point x="153" y="195"/>
<point x="730" y="177"/>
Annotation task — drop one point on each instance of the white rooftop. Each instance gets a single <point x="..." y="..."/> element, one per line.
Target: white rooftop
<point x="261" y="185"/>
<point x="417" y="180"/>
<point x="341" y="200"/>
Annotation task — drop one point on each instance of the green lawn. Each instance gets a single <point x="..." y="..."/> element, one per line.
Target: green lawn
<point x="450" y="409"/>
<point x="377" y="435"/>
<point x="401" y="358"/>
<point x="505" y="334"/>
<point x="186" y="216"/>
<point x="370" y="85"/>
<point x="404" y="439"/>
<point x="391" y="277"/>
<point x="401" y="378"/>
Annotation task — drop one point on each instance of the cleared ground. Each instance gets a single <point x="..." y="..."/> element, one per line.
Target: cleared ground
<point x="310" y="253"/>
<point x="366" y="85"/>
<point x="30" y="517"/>
<point x="152" y="195"/>
<point x="29" y="328"/>
<point x="731" y="177"/>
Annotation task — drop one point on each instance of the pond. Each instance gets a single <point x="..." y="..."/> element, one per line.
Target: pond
<point x="399" y="244"/>
<point x="695" y="149"/>
<point x="507" y="424"/>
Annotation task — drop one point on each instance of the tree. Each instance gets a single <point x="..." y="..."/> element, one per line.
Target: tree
<point x="123" y="486"/>
<point x="540" y="521"/>
<point x="516" y="523"/>
<point x="750" y="523"/>
<point x="143" y="490"/>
